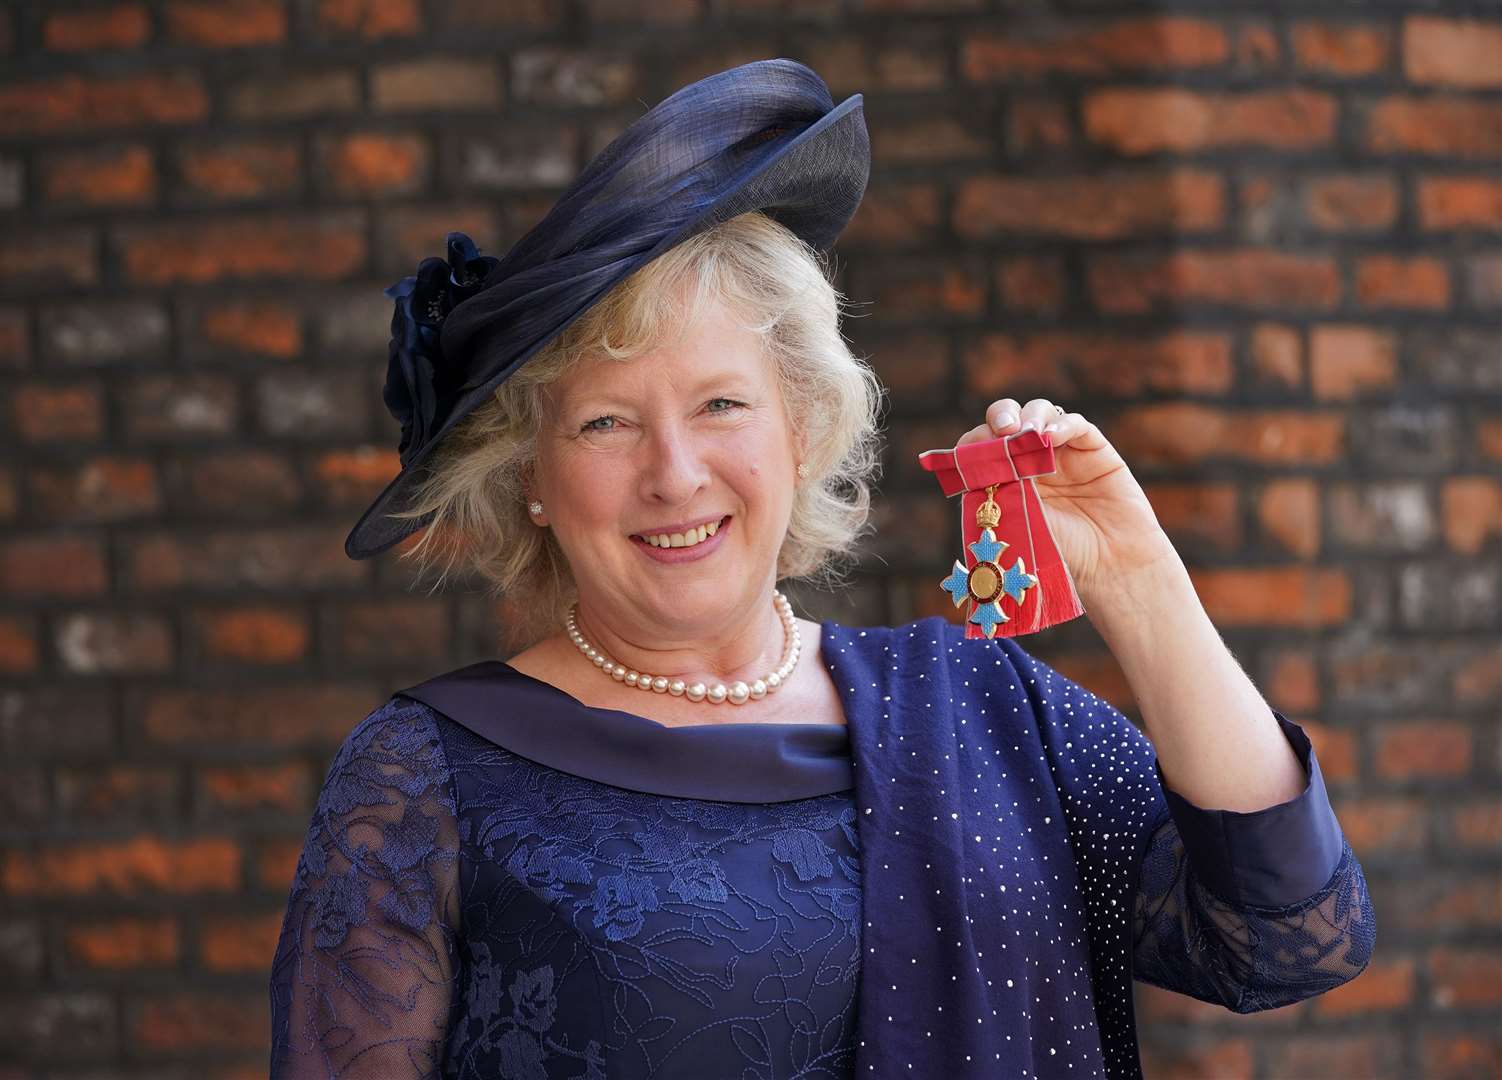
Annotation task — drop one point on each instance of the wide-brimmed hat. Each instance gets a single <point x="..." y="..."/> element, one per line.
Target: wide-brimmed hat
<point x="763" y="136"/>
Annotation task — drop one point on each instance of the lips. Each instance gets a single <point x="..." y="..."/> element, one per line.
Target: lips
<point x="686" y="538"/>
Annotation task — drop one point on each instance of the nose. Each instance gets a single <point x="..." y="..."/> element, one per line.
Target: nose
<point x="673" y="470"/>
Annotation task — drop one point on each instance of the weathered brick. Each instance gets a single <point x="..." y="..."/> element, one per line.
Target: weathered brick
<point x="1277" y="354"/>
<point x="226" y="23"/>
<point x="550" y="75"/>
<point x="23" y="952"/>
<point x="1035" y="48"/>
<point x="516" y="158"/>
<point x="374" y="164"/>
<point x="1439" y="596"/>
<point x="47" y="414"/>
<point x="1483" y="274"/>
<point x="114" y="793"/>
<point x="237" y="171"/>
<point x="1351" y="203"/>
<point x="1345" y="50"/>
<point x="1460" y="202"/>
<point x="1107" y="207"/>
<point x="114" y="643"/>
<point x="849" y="64"/>
<point x="1426" y="438"/>
<point x="407" y="235"/>
<point x="283" y="717"/>
<point x="1346" y="361"/>
<point x="72" y="104"/>
<point x="295" y="96"/>
<point x="96" y="490"/>
<point x="168" y="407"/>
<point x="253" y="635"/>
<point x="40" y="261"/>
<point x="12" y="183"/>
<point x="142" y="864"/>
<point x="55" y="1026"/>
<point x="15" y="340"/>
<point x="895" y="215"/>
<point x="274" y="558"/>
<point x="1298" y="596"/>
<point x="1184" y="432"/>
<point x="1456" y="357"/>
<point x="238" y="789"/>
<point x="1154" y="120"/>
<point x="930" y="140"/>
<point x="1392" y="516"/>
<point x="1288" y="515"/>
<point x="914" y="367"/>
<point x="1246" y="278"/>
<point x="1037" y="125"/>
<point x="309" y="405"/>
<point x="246" y="328"/>
<point x="1463" y="978"/>
<point x="118" y="26"/>
<point x="435" y="82"/>
<point x="307" y="246"/>
<point x="1439" y="125"/>
<point x="123" y="944"/>
<point x="1197" y="517"/>
<point x="241" y="484"/>
<point x="1184" y="362"/>
<point x="56" y="722"/>
<point x="56" y="565"/>
<point x="1388" y="281"/>
<point x="23" y="796"/>
<point x="99" y="177"/>
<point x="1441" y="51"/>
<point x="198" y="1023"/>
<point x="386" y="631"/>
<point x="368" y="19"/>
<point x="100" y="333"/>
<point x="1472" y="510"/>
<point x="349" y="478"/>
<point x="243" y="943"/>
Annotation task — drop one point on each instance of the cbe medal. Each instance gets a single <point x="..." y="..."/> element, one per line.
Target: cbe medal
<point x="1013" y="576"/>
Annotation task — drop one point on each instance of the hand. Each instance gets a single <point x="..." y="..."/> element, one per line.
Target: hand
<point x="1099" y="515"/>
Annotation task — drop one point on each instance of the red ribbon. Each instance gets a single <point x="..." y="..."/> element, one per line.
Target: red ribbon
<point x="1011" y="463"/>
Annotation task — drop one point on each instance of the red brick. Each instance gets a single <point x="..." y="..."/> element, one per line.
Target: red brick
<point x="124" y="943"/>
<point x="235" y="171"/>
<point x="410" y="234"/>
<point x="1089" y="207"/>
<point x="241" y="944"/>
<point x="53" y="566"/>
<point x="1297" y="596"/>
<point x="929" y="140"/>
<point x="96" y="490"/>
<point x="226" y="23"/>
<point x="1277" y="354"/>
<point x="1383" y="823"/>
<point x="267" y="635"/>
<point x="199" y="1023"/>
<point x="121" y="26"/>
<point x="45" y="414"/>
<point x="685" y="11"/>
<point x="295" y="95"/>
<point x="474" y="14"/>
<point x="1247" y="278"/>
<point x="1198" y="513"/>
<point x="1428" y="748"/>
<point x="1476" y="824"/>
<point x="170" y="407"/>
<point x="373" y="164"/>
<point x="1465" y="978"/>
<point x="1256" y="49"/>
<point x="1184" y="362"/>
<point x="240" y="789"/>
<point x="925" y="289"/>
<point x="1342" y="49"/>
<point x="1489" y="439"/>
<point x="1037" y="125"/>
<point x="276" y="864"/>
<point x="115" y="793"/>
<point x="144" y="864"/>
<point x="1351" y="203"/>
<point x="353" y="478"/>
<point x="1291" y="681"/>
<point x="282" y="716"/>
<point x="1461" y="1055"/>
<point x="369" y="19"/>
<point x="120" y="176"/>
<point x="1229" y="1058"/>
<point x="1452" y="52"/>
<point x="1184" y="432"/>
<point x="1384" y="987"/>
<point x="40" y="261"/>
<point x="279" y="557"/>
<point x="1339" y="753"/>
<point x="1345" y="361"/>
<point x="243" y="483"/>
<point x="18" y="645"/>
<point x="896" y="214"/>
<point x="61" y="104"/>
<point x="439" y="82"/>
<point x="1032" y="283"/>
<point x="114" y="643"/>
<point x="1479" y="679"/>
<point x="400" y="631"/>
<point x="1446" y="126"/>
<point x="1388" y="281"/>
<point x="1053" y="47"/>
<point x="326" y="247"/>
<point x="1155" y="120"/>
<point x="264" y="329"/>
<point x="1472" y="508"/>
<point x="1460" y="202"/>
<point x="15" y="341"/>
<point x="1288" y="514"/>
<point x="914" y="367"/>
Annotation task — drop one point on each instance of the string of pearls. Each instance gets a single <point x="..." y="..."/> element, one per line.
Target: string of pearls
<point x="737" y="693"/>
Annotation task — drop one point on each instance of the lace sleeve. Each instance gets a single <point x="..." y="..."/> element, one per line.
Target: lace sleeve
<point x="361" y="983"/>
<point x="1252" y="910"/>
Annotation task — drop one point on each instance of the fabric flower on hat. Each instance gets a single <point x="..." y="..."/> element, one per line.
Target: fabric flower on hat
<point x="417" y="379"/>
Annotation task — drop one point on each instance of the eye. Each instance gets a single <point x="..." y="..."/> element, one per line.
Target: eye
<point x="599" y="423"/>
<point x="728" y="403"/>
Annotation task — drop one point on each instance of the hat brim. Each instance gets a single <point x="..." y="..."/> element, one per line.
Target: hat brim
<point x="812" y="185"/>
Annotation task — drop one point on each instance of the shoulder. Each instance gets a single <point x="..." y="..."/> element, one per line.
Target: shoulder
<point x="398" y="744"/>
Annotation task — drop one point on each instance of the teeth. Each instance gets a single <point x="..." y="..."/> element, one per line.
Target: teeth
<point x="684" y="539"/>
<point x="712" y="528"/>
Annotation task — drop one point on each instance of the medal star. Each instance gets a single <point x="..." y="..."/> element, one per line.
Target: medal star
<point x="1016" y="580"/>
<point x="988" y="617"/>
<point x="957" y="584"/>
<point x="987" y="548"/>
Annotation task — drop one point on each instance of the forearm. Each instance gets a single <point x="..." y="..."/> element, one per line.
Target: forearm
<point x="1217" y="741"/>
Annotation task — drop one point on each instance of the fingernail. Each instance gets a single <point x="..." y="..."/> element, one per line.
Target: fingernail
<point x="1005" y="420"/>
<point x="1052" y="427"/>
<point x="1029" y="426"/>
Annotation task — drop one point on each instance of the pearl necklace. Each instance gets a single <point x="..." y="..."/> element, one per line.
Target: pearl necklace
<point x="737" y="693"/>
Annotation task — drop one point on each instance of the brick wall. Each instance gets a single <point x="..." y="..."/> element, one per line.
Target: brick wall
<point x="1262" y="249"/>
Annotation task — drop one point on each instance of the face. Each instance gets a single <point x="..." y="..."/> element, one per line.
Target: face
<point x="692" y="434"/>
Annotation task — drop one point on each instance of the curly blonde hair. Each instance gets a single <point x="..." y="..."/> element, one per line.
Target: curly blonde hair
<point x="783" y="289"/>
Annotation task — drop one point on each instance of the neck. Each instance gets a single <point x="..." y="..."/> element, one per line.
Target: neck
<point x="747" y="647"/>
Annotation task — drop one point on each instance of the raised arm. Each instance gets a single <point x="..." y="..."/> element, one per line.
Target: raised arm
<point x="362" y="981"/>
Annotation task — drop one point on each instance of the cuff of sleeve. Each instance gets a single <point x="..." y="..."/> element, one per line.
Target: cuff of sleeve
<point x="1273" y="857"/>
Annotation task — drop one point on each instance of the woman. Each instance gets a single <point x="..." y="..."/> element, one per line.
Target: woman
<point x="685" y="834"/>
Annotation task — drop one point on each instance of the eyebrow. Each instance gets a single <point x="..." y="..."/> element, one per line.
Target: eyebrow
<point x="590" y="397"/>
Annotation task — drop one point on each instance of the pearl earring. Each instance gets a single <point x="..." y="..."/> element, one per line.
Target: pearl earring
<point x="535" y="508"/>
<point x="802" y="470"/>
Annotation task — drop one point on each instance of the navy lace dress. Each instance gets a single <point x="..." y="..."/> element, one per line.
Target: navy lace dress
<point x="498" y="881"/>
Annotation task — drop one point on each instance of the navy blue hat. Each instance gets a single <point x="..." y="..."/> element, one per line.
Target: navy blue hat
<point x="764" y="136"/>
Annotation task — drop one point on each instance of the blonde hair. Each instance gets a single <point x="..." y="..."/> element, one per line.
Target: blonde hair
<point x="769" y="277"/>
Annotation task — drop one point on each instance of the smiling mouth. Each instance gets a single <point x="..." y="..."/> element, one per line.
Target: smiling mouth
<point x="691" y="538"/>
